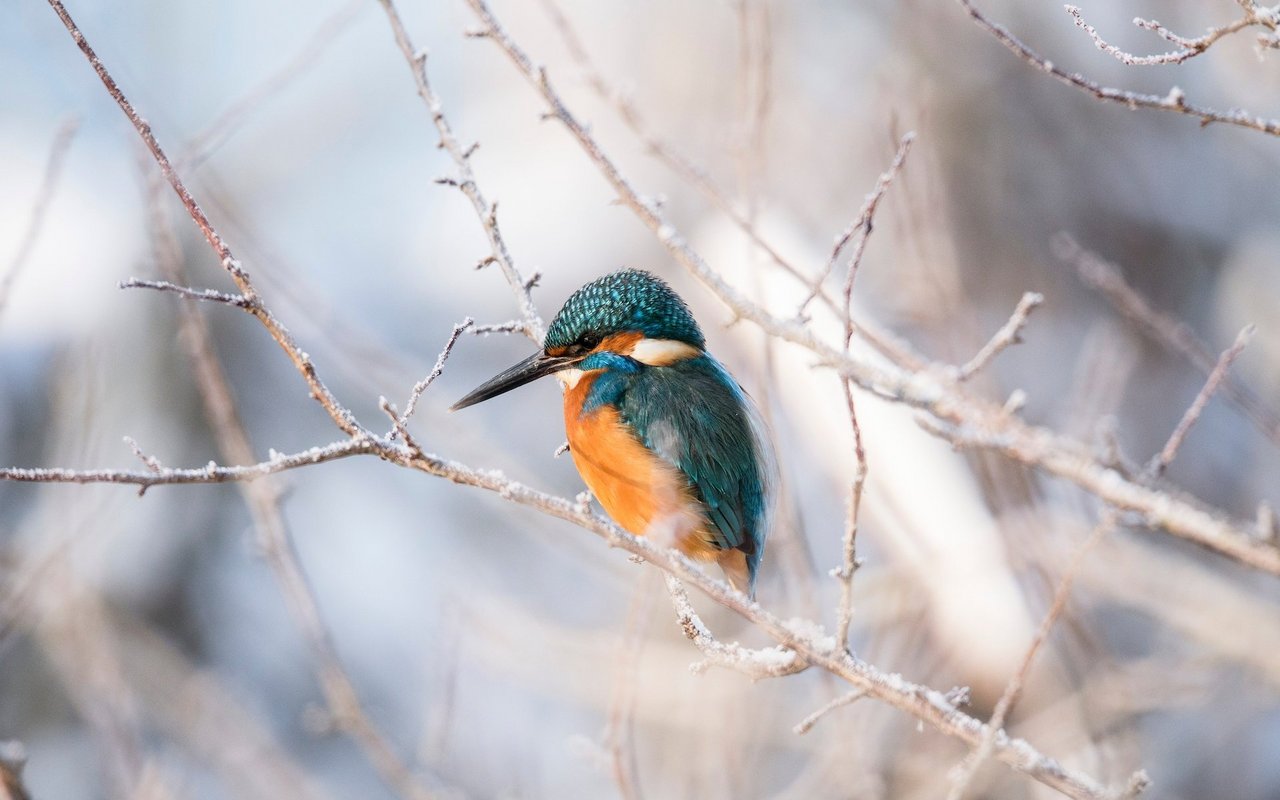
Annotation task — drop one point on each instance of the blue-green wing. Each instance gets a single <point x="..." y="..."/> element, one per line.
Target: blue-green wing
<point x="694" y="415"/>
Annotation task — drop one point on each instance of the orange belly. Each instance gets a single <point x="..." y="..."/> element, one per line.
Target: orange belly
<point x="643" y="493"/>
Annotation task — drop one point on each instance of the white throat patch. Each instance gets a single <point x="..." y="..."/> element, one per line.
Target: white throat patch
<point x="569" y="377"/>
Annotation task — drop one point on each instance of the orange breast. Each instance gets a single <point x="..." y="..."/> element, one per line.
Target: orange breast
<point x="643" y="493"/>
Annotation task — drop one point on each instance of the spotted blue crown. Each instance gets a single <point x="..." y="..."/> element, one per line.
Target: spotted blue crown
<point x="627" y="300"/>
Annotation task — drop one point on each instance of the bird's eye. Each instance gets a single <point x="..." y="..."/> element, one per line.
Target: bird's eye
<point x="588" y="341"/>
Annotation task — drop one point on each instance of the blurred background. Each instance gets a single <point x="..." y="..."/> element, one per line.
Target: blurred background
<point x="147" y="648"/>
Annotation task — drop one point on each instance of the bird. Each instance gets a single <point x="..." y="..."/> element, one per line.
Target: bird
<point x="664" y="437"/>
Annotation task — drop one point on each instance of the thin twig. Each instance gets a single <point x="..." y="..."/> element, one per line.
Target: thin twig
<point x="805" y="725"/>
<point x="1009" y="334"/>
<point x="1174" y="335"/>
<point x="39" y="209"/>
<point x="665" y="152"/>
<point x="465" y="179"/>
<point x="862" y="222"/>
<point x="1189" y="48"/>
<point x="337" y="412"/>
<point x="969" y="767"/>
<point x="209" y="295"/>
<point x="273" y="532"/>
<point x="513" y="326"/>
<point x="1161" y="461"/>
<point x="849" y="543"/>
<point x="151" y="461"/>
<point x="1174" y="101"/>
<point x="421" y="386"/>
<point x="213" y="135"/>
<point x="210" y="473"/>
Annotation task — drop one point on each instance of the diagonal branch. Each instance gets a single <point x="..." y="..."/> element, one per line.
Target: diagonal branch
<point x="1169" y="332"/>
<point x="1188" y="47"/>
<point x="1161" y="460"/>
<point x="52" y="170"/>
<point x="273" y="532"/>
<point x="337" y="412"/>
<point x="1009" y="334"/>
<point x="466" y="181"/>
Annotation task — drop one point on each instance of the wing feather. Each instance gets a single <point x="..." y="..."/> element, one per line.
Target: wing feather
<point x="695" y="416"/>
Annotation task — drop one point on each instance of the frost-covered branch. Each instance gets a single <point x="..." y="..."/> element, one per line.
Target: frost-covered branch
<point x="1265" y="18"/>
<point x="253" y="303"/>
<point x="1175" y="101"/>
<point x="465" y="179"/>
<point x="1009" y="334"/>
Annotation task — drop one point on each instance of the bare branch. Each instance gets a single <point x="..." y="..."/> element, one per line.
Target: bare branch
<point x="809" y="643"/>
<point x="1174" y="335"/>
<point x="1174" y="101"/>
<point x="773" y="662"/>
<point x="1190" y="48"/>
<point x="666" y="153"/>
<point x="204" y="143"/>
<point x="273" y="532"/>
<point x="339" y="414"/>
<point x="862" y="223"/>
<point x="52" y="170"/>
<point x="210" y="295"/>
<point x="514" y="326"/>
<point x="1009" y="334"/>
<point x="1166" y="510"/>
<point x="421" y="386"/>
<point x="1166" y="455"/>
<point x="849" y="544"/>
<point x="1108" y="522"/>
<point x="1012" y="690"/>
<point x="210" y="473"/>
<point x="465" y="180"/>
<point x="151" y="461"/>
<point x="805" y="725"/>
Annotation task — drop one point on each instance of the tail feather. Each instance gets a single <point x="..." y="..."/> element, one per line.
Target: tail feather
<point x="738" y="573"/>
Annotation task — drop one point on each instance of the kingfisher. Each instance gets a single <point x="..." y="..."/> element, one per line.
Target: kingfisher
<point x="666" y="440"/>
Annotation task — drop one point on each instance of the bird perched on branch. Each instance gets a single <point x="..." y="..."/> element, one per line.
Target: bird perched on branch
<point x="664" y="437"/>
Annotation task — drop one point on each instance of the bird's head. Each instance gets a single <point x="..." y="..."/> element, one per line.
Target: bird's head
<point x="626" y="314"/>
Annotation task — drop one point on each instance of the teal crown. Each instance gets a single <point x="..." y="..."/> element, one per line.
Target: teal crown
<point x="623" y="301"/>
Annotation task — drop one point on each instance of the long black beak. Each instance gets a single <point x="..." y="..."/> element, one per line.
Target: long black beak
<point x="532" y="368"/>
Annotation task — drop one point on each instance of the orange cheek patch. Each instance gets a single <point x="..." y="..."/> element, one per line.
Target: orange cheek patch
<point x="620" y="343"/>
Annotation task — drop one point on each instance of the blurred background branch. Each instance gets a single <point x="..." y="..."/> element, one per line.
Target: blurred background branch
<point x="491" y="633"/>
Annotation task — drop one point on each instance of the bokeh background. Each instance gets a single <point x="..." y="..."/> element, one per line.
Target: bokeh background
<point x="147" y="649"/>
